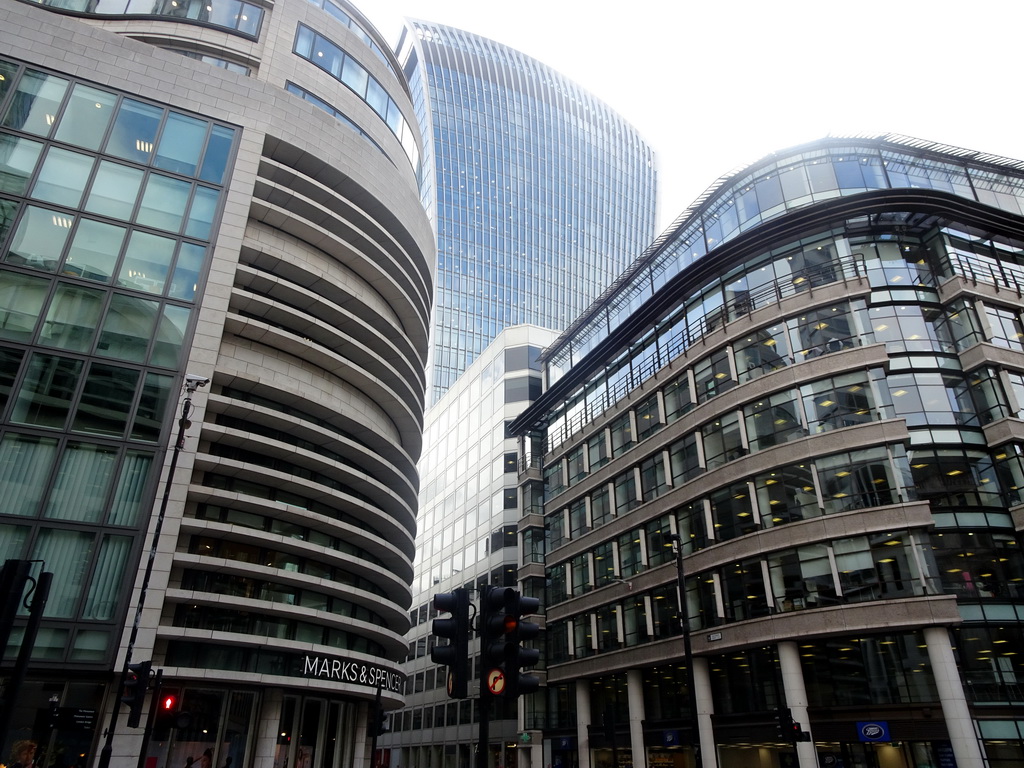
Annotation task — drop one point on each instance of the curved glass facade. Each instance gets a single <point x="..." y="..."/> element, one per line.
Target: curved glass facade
<point x="818" y="442"/>
<point x="540" y="194"/>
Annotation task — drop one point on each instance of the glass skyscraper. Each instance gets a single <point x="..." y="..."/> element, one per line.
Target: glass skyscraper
<point x="541" y="194"/>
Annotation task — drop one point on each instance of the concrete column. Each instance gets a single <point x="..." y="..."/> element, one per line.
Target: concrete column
<point x="268" y="725"/>
<point x="635" y="698"/>
<point x="796" y="698"/>
<point x="959" y="723"/>
<point x="705" y="708"/>
<point x="583" y="717"/>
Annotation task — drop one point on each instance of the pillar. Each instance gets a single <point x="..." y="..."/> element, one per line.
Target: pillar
<point x="796" y="698"/>
<point x="959" y="723"/>
<point x="635" y="698"/>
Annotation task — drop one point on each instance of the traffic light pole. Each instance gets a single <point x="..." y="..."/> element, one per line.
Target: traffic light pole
<point x="684" y="619"/>
<point x="484" y="735"/>
<point x="191" y="385"/>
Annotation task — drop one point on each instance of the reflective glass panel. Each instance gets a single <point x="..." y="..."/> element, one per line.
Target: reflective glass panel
<point x="63" y="177"/>
<point x="39" y="239"/>
<point x="10" y="362"/>
<point x="134" y="131"/>
<point x="127" y="328"/>
<point x="21" y="301"/>
<point x="146" y="262"/>
<point x="186" y="271"/>
<point x="128" y="495"/>
<point x="94" y="250"/>
<point x="114" y="190"/>
<point x="86" y="117"/>
<point x="106" y="400"/>
<point x="180" y="144"/>
<point x="163" y="202"/>
<point x="46" y="392"/>
<point x="152" y="407"/>
<point x="218" y="152"/>
<point x="36" y="101"/>
<point x="25" y="464"/>
<point x="106" y="577"/>
<point x="170" y="336"/>
<point x="17" y="161"/>
<point x="80" y="490"/>
<point x="72" y="318"/>
<point x="200" y="216"/>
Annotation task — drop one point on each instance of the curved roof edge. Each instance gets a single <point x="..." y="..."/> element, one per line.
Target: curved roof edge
<point x="891" y="140"/>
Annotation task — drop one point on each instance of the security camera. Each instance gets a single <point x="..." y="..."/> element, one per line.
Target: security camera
<point x="194" y="382"/>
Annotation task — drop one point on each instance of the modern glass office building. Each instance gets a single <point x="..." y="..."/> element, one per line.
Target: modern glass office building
<point x="800" y="411"/>
<point x="468" y="537"/>
<point x="540" y="194"/>
<point x="228" y="190"/>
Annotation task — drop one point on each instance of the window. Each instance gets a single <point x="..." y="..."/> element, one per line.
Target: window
<point x="722" y="440"/>
<point x="713" y="375"/>
<point x="773" y="420"/>
<point x="840" y="401"/>
<point x="786" y="494"/>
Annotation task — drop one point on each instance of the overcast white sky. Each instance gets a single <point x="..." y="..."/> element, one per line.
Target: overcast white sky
<point x="714" y="85"/>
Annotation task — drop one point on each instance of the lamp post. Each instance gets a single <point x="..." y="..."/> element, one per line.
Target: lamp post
<point x="684" y="619"/>
<point x="192" y="383"/>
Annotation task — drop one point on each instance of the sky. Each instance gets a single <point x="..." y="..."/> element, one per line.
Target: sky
<point x="716" y="85"/>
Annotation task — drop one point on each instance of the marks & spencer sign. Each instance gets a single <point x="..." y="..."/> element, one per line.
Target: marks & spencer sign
<point x="352" y="672"/>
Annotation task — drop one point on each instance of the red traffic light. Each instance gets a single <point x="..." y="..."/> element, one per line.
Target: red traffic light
<point x="169" y="703"/>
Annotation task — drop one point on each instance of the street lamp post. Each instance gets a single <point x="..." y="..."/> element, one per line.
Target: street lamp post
<point x="684" y="619"/>
<point x="192" y="383"/>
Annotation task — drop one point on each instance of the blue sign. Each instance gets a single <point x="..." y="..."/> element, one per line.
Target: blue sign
<point x="565" y="742"/>
<point x="944" y="754"/>
<point x="873" y="730"/>
<point x="670" y="738"/>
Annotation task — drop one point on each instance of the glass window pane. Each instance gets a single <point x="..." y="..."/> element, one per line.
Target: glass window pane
<point x="134" y="131"/>
<point x="170" y="336"/>
<point x="80" y="490"/>
<point x="106" y="400"/>
<point x="127" y="328"/>
<point x="186" y="272"/>
<point x="146" y="262"/>
<point x="39" y="239"/>
<point x="354" y="76"/>
<point x="94" y="250"/>
<point x="180" y="144"/>
<point x="17" y="161"/>
<point x="218" y="152"/>
<point x="200" y="216"/>
<point x="106" y="578"/>
<point x="64" y="552"/>
<point x="128" y="496"/>
<point x="114" y="190"/>
<point x="8" y="212"/>
<point x="85" y="119"/>
<point x="13" y="537"/>
<point x="7" y="72"/>
<point x="21" y="301"/>
<point x="163" y="202"/>
<point x="156" y="393"/>
<point x="47" y="390"/>
<point x="25" y="464"/>
<point x="10" y="362"/>
<point x="72" y="318"/>
<point x="376" y="97"/>
<point x="63" y="177"/>
<point x="36" y="101"/>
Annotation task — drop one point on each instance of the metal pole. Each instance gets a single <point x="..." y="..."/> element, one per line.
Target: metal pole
<point x="154" y="707"/>
<point x="684" y="618"/>
<point x="376" y="722"/>
<point x="191" y="385"/>
<point x="484" y="736"/>
<point x="35" y="618"/>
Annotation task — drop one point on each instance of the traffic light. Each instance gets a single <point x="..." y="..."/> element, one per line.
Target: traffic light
<point x="454" y="655"/>
<point x="169" y="715"/>
<point x="381" y="722"/>
<point x="783" y="723"/>
<point x="502" y="632"/>
<point x="136" y="681"/>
